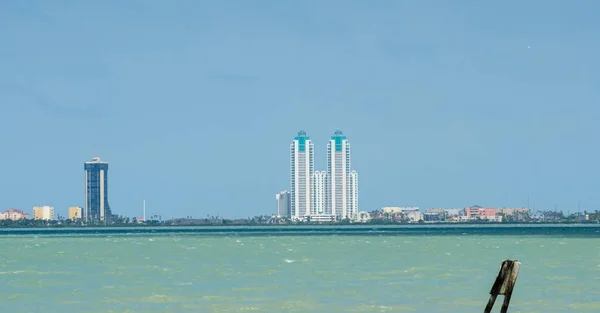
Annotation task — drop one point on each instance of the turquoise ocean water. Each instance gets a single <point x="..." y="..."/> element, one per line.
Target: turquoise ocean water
<point x="409" y="269"/>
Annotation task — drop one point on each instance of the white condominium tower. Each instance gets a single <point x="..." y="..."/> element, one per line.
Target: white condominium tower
<point x="301" y="174"/>
<point x="342" y="182"/>
<point x="354" y="193"/>
<point x="320" y="192"/>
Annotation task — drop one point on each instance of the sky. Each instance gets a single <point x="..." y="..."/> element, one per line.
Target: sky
<point x="194" y="103"/>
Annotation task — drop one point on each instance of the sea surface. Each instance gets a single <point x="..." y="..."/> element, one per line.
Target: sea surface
<point x="383" y="269"/>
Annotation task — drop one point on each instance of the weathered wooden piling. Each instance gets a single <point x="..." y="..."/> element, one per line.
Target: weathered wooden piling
<point x="504" y="284"/>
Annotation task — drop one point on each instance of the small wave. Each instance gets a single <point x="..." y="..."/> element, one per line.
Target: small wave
<point x="289" y="261"/>
<point x="12" y="272"/>
<point x="34" y="272"/>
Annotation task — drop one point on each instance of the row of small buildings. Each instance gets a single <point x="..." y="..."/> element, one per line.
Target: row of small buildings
<point x="43" y="213"/>
<point x="456" y="215"/>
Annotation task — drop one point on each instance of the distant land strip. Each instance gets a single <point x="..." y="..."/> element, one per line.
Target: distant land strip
<point x="568" y="230"/>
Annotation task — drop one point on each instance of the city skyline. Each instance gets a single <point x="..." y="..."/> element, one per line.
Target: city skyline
<point x="321" y="190"/>
<point x="446" y="105"/>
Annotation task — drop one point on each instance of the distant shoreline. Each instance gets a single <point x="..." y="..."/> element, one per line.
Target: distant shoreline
<point x="302" y="224"/>
<point x="585" y="230"/>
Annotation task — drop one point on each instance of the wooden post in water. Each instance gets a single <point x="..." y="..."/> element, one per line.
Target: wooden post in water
<point x="504" y="284"/>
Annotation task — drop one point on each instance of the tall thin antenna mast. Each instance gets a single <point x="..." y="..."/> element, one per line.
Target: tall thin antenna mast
<point x="144" y="210"/>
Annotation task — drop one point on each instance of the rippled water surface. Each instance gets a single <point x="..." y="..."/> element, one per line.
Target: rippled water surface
<point x="321" y="273"/>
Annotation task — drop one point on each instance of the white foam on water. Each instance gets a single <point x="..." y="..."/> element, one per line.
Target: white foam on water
<point x="250" y="308"/>
<point x="289" y="261"/>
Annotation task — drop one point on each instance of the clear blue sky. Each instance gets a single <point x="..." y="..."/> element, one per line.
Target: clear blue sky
<point x="195" y="103"/>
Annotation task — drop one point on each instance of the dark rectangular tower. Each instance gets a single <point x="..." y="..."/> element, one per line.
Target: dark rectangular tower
<point x="96" y="191"/>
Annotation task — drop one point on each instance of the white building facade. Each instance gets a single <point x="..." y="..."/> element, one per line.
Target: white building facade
<point x="301" y="176"/>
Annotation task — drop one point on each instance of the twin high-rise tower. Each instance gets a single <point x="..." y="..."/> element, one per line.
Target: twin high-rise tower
<point x="322" y="195"/>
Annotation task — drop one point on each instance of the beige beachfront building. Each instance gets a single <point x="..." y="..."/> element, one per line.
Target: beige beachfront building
<point x="45" y="213"/>
<point x="75" y="213"/>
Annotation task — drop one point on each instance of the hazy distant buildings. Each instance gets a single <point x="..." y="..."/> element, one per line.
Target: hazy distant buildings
<point x="96" y="191"/>
<point x="75" y="213"/>
<point x="14" y="214"/>
<point x="399" y="210"/>
<point x="284" y="204"/>
<point x="513" y="211"/>
<point x="44" y="213"/>
<point x="301" y="173"/>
